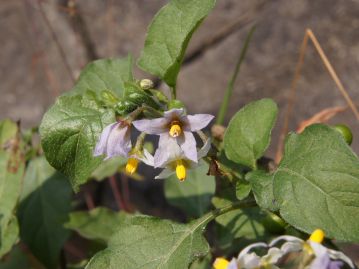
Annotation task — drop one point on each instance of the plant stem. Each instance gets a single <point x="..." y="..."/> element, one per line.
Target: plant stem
<point x="227" y="96"/>
<point x="238" y="204"/>
<point x="117" y="194"/>
<point x="173" y="92"/>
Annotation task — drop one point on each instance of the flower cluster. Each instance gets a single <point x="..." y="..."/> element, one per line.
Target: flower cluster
<point x="177" y="149"/>
<point x="314" y="254"/>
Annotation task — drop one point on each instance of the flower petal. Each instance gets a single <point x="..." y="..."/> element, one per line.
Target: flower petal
<point x="154" y="126"/>
<point x="198" y="121"/>
<point x="165" y="173"/>
<point x="250" y="247"/>
<point x="147" y="158"/>
<point x="204" y="150"/>
<point x="232" y="264"/>
<point x="168" y="151"/>
<point x="337" y="255"/>
<point x="174" y="113"/>
<point x="187" y="143"/>
<point x="119" y="142"/>
<point x="249" y="261"/>
<point x="288" y="238"/>
<point x="101" y="145"/>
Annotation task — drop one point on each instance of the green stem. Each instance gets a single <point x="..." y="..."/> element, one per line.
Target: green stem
<point x="140" y="141"/>
<point x="238" y="204"/>
<point x="227" y="96"/>
<point x="173" y="92"/>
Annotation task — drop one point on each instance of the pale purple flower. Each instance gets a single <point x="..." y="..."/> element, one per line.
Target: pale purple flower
<point x="174" y="126"/>
<point x="232" y="264"/>
<point x="114" y="141"/>
<point x="176" y="156"/>
<point x="324" y="258"/>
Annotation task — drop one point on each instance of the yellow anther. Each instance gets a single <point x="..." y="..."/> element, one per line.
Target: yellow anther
<point x="317" y="236"/>
<point x="220" y="263"/>
<point x="180" y="170"/>
<point x="175" y="130"/>
<point x="131" y="165"/>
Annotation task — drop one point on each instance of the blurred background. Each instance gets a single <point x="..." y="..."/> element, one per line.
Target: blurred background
<point x="46" y="43"/>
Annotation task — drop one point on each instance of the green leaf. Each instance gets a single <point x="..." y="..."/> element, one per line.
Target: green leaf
<point x="243" y="189"/>
<point x="168" y="37"/>
<point x="108" y="168"/>
<point x="202" y="263"/>
<point x="9" y="235"/>
<point x="240" y="223"/>
<point x="69" y="131"/>
<point x="97" y="224"/>
<point x="44" y="208"/>
<point x="148" y="242"/>
<point x="11" y="174"/>
<point x="317" y="183"/>
<point x="262" y="187"/>
<point x="248" y="133"/>
<point x="104" y="74"/>
<point x="15" y="260"/>
<point x="194" y="194"/>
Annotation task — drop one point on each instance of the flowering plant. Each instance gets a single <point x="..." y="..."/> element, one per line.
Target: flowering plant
<point x="229" y="195"/>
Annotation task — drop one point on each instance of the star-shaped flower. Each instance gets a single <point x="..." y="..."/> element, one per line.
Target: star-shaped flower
<point x="177" y="162"/>
<point x="174" y="126"/>
<point x="114" y="140"/>
<point x="324" y="258"/>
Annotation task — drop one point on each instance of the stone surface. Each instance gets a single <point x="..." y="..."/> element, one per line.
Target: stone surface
<point x="33" y="73"/>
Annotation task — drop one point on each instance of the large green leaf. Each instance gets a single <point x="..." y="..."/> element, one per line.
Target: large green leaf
<point x="69" y="132"/>
<point x="11" y="174"/>
<point x="262" y="187"/>
<point x="44" y="208"/>
<point x="248" y="133"/>
<point x="168" y="37"/>
<point x="97" y="224"/>
<point x="104" y="74"/>
<point x="193" y="195"/>
<point x="244" y="224"/>
<point x="148" y="242"/>
<point x="317" y="183"/>
<point x="16" y="259"/>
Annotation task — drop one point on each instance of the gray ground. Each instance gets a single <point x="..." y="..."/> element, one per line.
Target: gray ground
<point x="33" y="72"/>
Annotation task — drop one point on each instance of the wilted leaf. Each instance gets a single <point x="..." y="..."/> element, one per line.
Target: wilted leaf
<point x="11" y="174"/>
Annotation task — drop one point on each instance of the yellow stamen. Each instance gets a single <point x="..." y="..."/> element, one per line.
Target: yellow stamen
<point x="131" y="165"/>
<point x="175" y="130"/>
<point x="317" y="236"/>
<point x="180" y="170"/>
<point x="220" y="263"/>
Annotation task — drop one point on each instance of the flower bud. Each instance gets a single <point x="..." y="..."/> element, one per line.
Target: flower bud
<point x="175" y="104"/>
<point x="146" y="84"/>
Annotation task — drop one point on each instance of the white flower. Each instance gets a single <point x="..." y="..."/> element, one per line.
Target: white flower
<point x="177" y="162"/>
<point x="114" y="140"/>
<point x="176" y="127"/>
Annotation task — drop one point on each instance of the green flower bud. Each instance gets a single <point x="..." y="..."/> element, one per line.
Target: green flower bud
<point x="109" y="98"/>
<point x="273" y="223"/>
<point x="345" y="132"/>
<point x="125" y="107"/>
<point x="146" y="84"/>
<point x="175" y="104"/>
